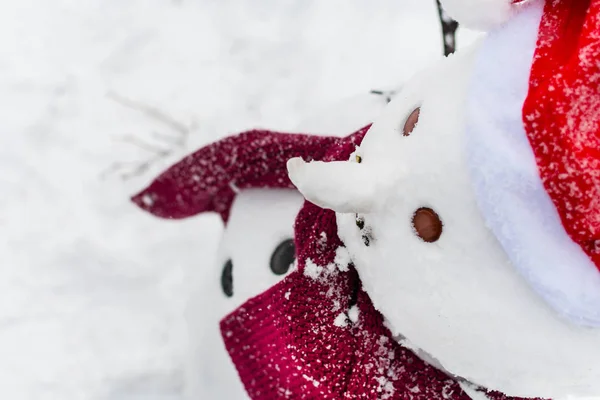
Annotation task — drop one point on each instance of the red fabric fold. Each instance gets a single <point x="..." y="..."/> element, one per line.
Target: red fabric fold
<point x="207" y="180"/>
<point x="562" y="116"/>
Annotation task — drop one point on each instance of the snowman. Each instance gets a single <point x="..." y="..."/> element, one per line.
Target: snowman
<point x="256" y="249"/>
<point x="471" y="209"/>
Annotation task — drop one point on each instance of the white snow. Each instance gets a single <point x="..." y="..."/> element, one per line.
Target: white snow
<point x="341" y="321"/>
<point x="342" y="258"/>
<point x="310" y="379"/>
<point x="326" y="184"/>
<point x="93" y="291"/>
<point x="341" y="262"/>
<point x="482" y="14"/>
<point x="313" y="270"/>
<point x="353" y="314"/>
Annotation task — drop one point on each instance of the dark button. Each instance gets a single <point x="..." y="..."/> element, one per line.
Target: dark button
<point x="227" y="278"/>
<point x="427" y="225"/>
<point x="283" y="257"/>
<point x="411" y="122"/>
<point x="366" y="239"/>
<point x="360" y="222"/>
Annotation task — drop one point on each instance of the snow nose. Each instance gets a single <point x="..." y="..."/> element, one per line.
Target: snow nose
<point x="344" y="187"/>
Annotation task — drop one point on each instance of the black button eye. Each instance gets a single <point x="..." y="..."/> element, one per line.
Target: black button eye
<point x="283" y="257"/>
<point x="227" y="278"/>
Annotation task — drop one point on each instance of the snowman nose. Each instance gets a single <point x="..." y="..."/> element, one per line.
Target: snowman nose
<point x="344" y="187"/>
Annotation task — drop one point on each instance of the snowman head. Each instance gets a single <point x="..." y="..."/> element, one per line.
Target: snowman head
<point x="257" y="247"/>
<point x="256" y="251"/>
<point x="455" y="217"/>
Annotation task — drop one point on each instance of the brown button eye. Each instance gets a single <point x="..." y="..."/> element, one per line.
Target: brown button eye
<point x="427" y="225"/>
<point x="411" y="121"/>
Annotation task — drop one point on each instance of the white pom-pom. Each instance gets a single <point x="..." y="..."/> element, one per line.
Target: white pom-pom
<point x="482" y="14"/>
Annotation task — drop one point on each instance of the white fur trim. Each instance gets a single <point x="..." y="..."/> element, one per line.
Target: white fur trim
<point x="509" y="191"/>
<point x="480" y="14"/>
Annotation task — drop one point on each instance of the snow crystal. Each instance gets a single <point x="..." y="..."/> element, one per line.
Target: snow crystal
<point x="341" y="321"/>
<point x="312" y="380"/>
<point x="342" y="258"/>
<point x="341" y="262"/>
<point x="336" y="305"/>
<point x="323" y="237"/>
<point x="147" y="200"/>
<point x="312" y="270"/>
<point x="385" y="388"/>
<point x="353" y="314"/>
<point x="285" y="392"/>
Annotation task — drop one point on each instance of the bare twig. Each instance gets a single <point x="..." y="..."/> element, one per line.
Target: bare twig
<point x="130" y="139"/>
<point x="176" y="141"/>
<point x="170" y="143"/>
<point x="151" y="112"/>
<point x="388" y="94"/>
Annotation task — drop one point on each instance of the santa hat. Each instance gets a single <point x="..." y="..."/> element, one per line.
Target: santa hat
<point x="533" y="137"/>
<point x="208" y="179"/>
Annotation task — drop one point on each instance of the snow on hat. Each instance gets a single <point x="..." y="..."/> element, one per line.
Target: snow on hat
<point x="208" y="179"/>
<point x="533" y="137"/>
<point x="482" y="14"/>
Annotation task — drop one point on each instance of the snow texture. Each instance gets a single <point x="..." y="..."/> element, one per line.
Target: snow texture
<point x="93" y="292"/>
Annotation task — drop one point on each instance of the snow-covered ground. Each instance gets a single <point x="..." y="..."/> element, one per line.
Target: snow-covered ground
<point x="92" y="290"/>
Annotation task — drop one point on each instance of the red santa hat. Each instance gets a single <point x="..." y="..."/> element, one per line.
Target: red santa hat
<point x="533" y="141"/>
<point x="208" y="179"/>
